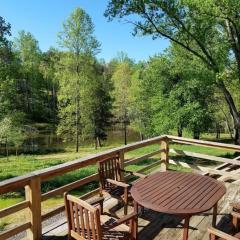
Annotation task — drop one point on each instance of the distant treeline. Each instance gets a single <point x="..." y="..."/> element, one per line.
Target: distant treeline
<point x="81" y="96"/>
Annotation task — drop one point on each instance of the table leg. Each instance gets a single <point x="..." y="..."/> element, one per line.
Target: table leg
<point x="214" y="218"/>
<point x="135" y="205"/>
<point x="186" y="227"/>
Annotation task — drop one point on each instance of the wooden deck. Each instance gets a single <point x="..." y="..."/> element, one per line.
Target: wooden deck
<point x="154" y="225"/>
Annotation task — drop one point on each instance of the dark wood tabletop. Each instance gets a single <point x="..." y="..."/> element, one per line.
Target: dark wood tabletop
<point x="178" y="193"/>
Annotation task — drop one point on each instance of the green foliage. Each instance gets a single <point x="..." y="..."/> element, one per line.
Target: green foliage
<point x="77" y="35"/>
<point x="171" y="96"/>
<point x="97" y="106"/>
<point x="207" y="31"/>
<point x="140" y="107"/>
<point x="84" y="100"/>
<point x="48" y="68"/>
<point x="30" y="81"/>
<point x="5" y="45"/>
<point x="12" y="132"/>
<point x="122" y="84"/>
<point x="192" y="87"/>
<point x="4" y="31"/>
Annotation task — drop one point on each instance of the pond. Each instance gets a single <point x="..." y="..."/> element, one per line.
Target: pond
<point x="45" y="140"/>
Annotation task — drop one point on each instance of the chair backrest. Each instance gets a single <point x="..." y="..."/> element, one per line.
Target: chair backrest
<point x="83" y="219"/>
<point x="109" y="168"/>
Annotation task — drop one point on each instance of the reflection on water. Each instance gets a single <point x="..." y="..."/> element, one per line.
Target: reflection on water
<point x="47" y="141"/>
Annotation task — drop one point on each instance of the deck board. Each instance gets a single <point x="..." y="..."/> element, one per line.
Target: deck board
<point x="153" y="225"/>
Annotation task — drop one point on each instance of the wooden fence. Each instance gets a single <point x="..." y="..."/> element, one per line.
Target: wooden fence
<point x="32" y="181"/>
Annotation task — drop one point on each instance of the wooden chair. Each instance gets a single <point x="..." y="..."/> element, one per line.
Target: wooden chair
<point x="214" y="233"/>
<point x="112" y="182"/>
<point x="86" y="222"/>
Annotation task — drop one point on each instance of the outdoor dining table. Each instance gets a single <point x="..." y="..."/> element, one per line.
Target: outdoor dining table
<point x="178" y="193"/>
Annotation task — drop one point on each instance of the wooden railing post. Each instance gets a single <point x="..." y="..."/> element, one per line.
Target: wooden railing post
<point x="121" y="161"/>
<point x="164" y="154"/>
<point x="33" y="195"/>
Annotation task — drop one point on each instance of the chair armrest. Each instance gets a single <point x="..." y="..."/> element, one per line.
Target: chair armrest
<point x="139" y="175"/>
<point x="127" y="218"/>
<point x="235" y="214"/>
<point x="235" y="205"/>
<point x="123" y="220"/>
<point x="120" y="184"/>
<point x="97" y="201"/>
<point x="135" y="173"/>
<point x="221" y="234"/>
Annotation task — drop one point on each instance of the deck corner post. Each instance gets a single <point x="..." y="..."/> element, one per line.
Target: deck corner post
<point x="33" y="195"/>
<point x="164" y="154"/>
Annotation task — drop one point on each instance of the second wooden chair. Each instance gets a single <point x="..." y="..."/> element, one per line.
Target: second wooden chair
<point x="112" y="181"/>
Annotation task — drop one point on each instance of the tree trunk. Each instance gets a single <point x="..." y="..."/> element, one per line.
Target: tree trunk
<point x="54" y="104"/>
<point x="179" y="131"/>
<point x="96" y="144"/>
<point x="32" y="144"/>
<point x="141" y="136"/>
<point x="237" y="136"/>
<point x="218" y="132"/>
<point x="229" y="129"/>
<point x="77" y="141"/>
<point x="125" y="132"/>
<point x="6" y="147"/>
<point x="49" y="140"/>
<point x="227" y="123"/>
<point x="77" y="125"/>
<point x="233" y="109"/>
<point x="99" y="142"/>
<point x="234" y="40"/>
<point x="125" y="126"/>
<point x="196" y="135"/>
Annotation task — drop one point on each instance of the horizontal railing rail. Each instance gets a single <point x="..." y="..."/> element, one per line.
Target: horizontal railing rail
<point x="203" y="143"/>
<point x="32" y="181"/>
<point x="32" y="184"/>
<point x="204" y="156"/>
<point x="47" y="173"/>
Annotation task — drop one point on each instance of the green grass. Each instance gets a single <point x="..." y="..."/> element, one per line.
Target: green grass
<point x="19" y="165"/>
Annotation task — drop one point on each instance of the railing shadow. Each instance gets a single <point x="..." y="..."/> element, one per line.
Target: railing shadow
<point x="157" y="222"/>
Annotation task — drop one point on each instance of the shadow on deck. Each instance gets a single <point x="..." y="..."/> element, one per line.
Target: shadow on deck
<point x="153" y="225"/>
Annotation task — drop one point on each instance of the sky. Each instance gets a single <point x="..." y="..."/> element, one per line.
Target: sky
<point x="44" y="18"/>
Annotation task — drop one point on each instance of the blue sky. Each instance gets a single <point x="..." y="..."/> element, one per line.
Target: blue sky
<point x="44" y="18"/>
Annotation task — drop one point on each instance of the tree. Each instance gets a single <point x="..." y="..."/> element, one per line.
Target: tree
<point x="8" y="71"/>
<point x="30" y="80"/>
<point x="11" y="132"/>
<point x="122" y="82"/>
<point x="176" y="97"/>
<point x="209" y="31"/>
<point x="140" y="107"/>
<point x="5" y="50"/>
<point x="97" y="106"/>
<point x="78" y="39"/>
<point x="48" y="68"/>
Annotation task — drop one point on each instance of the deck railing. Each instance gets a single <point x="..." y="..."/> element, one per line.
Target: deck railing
<point x="32" y="181"/>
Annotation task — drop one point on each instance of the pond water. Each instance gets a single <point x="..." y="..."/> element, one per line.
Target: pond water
<point x="44" y="141"/>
